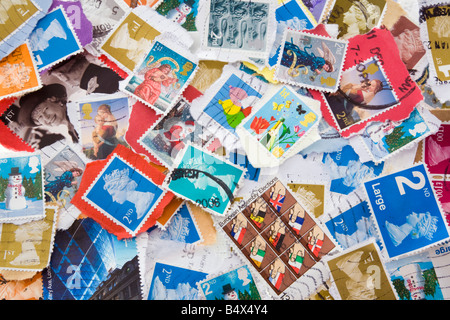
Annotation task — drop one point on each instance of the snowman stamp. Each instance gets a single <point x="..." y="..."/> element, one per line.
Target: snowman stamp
<point x="21" y="188"/>
<point x="237" y="284"/>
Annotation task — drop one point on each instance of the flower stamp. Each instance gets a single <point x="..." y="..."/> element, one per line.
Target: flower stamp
<point x="310" y="61"/>
<point x="406" y="210"/>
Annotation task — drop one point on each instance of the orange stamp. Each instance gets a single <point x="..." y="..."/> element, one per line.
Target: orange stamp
<point x="18" y="73"/>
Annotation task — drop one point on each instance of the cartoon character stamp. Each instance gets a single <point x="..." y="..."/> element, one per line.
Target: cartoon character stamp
<point x="359" y="274"/>
<point x="53" y="39"/>
<point x="18" y="73"/>
<point x="310" y="61"/>
<point x="356" y="18"/>
<point x="275" y="130"/>
<point x="277" y="236"/>
<point x="434" y="32"/>
<point x="205" y="179"/>
<point x="406" y="210"/>
<point x="184" y="13"/>
<point x="162" y="77"/>
<point x="21" y="193"/>
<point x="237" y="284"/>
<point x="103" y="125"/>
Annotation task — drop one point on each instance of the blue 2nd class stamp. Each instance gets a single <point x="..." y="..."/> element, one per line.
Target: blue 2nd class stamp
<point x="53" y="39"/>
<point x="406" y="211"/>
<point x="205" y="179"/>
<point x="123" y="194"/>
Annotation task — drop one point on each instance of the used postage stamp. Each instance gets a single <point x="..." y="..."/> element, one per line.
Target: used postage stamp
<point x="274" y="131"/>
<point x="184" y="13"/>
<point x="312" y="195"/>
<point x="167" y="281"/>
<point x="53" y="39"/>
<point x="123" y="193"/>
<point x="434" y="27"/>
<point x="169" y="135"/>
<point x="205" y="179"/>
<point x="356" y="17"/>
<point x="103" y="123"/>
<point x="21" y="188"/>
<point x="162" y="77"/>
<point x="237" y="284"/>
<point x="278" y="237"/>
<point x="310" y="61"/>
<point x="359" y="274"/>
<point x="18" y="73"/>
<point x="28" y="246"/>
<point x="406" y="211"/>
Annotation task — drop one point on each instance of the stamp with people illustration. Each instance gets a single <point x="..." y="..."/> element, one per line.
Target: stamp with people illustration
<point x="310" y="60"/>
<point x="277" y="236"/>
<point x="123" y="192"/>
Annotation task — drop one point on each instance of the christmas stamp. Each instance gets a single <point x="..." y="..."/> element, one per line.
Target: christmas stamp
<point x="166" y="279"/>
<point x="359" y="274"/>
<point x="310" y="61"/>
<point x="22" y="188"/>
<point x="62" y="177"/>
<point x="277" y="127"/>
<point x="237" y="284"/>
<point x="123" y="192"/>
<point x="183" y="12"/>
<point x="227" y="102"/>
<point x="168" y="136"/>
<point x="205" y="179"/>
<point x="276" y="235"/>
<point x="406" y="211"/>
<point x="28" y="246"/>
<point x="53" y="39"/>
<point x="18" y="73"/>
<point x="434" y="26"/>
<point x="356" y="17"/>
<point x="236" y="30"/>
<point x="162" y="77"/>
<point x="103" y="123"/>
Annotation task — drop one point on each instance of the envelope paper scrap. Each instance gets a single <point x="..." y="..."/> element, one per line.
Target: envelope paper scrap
<point x="224" y="150"/>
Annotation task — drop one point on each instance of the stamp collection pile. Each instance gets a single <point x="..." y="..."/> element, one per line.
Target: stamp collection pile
<point x="224" y="149"/>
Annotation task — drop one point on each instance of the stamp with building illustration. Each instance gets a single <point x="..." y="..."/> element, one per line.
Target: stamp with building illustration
<point x="406" y="210"/>
<point x="310" y="61"/>
<point x="205" y="179"/>
<point x="237" y="284"/>
<point x="21" y="193"/>
<point x="359" y="274"/>
<point x="162" y="77"/>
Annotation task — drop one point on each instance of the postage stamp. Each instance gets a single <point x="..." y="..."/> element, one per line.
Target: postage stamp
<point x="276" y="235"/>
<point x="356" y="17"/>
<point x="227" y="102"/>
<point x="434" y="26"/>
<point x="21" y="194"/>
<point x="381" y="140"/>
<point x="274" y="131"/>
<point x="53" y="39"/>
<point x="406" y="211"/>
<point x="184" y="13"/>
<point x="407" y="37"/>
<point x="312" y="196"/>
<point x="168" y="136"/>
<point x="205" y="179"/>
<point x="359" y="274"/>
<point x="234" y="28"/>
<point x="71" y="276"/>
<point x="364" y="92"/>
<point x="18" y="73"/>
<point x="310" y="61"/>
<point x="28" y="246"/>
<point x="289" y="14"/>
<point x="237" y="284"/>
<point x="162" y="77"/>
<point x="123" y="194"/>
<point x="167" y="281"/>
<point x="103" y="123"/>
<point x="62" y="177"/>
